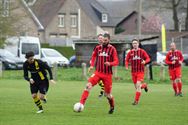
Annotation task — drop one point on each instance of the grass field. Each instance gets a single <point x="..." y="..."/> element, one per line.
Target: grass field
<point x="157" y="107"/>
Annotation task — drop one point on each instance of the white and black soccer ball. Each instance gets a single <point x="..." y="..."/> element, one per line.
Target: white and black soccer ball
<point x="78" y="107"/>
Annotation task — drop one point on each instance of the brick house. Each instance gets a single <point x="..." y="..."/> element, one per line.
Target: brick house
<point x="64" y="20"/>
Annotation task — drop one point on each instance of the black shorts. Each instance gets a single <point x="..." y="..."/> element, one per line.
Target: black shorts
<point x="41" y="86"/>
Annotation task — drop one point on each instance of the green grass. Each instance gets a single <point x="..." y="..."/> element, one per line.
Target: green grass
<point x="158" y="107"/>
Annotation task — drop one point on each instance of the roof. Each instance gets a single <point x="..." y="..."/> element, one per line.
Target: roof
<point x="94" y="9"/>
<point x="45" y="10"/>
<point x="119" y="9"/>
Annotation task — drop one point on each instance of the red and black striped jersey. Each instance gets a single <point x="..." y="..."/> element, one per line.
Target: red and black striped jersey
<point x="135" y="57"/>
<point x="102" y="54"/>
<point x="174" y="56"/>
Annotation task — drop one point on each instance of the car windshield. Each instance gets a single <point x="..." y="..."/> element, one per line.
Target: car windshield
<point x="163" y="53"/>
<point x="30" y="47"/>
<point x="51" y="53"/>
<point x="5" y="53"/>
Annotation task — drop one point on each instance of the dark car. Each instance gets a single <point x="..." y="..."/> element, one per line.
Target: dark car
<point x="72" y="60"/>
<point x="9" y="60"/>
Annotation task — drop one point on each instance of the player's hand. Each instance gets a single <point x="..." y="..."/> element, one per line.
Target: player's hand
<point x="107" y="63"/>
<point x="31" y="81"/>
<point x="90" y="69"/>
<point x="52" y="81"/>
<point x="173" y="62"/>
<point x="143" y="62"/>
<point x="180" y="62"/>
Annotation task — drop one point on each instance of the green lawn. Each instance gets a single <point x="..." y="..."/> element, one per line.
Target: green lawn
<point x="157" y="107"/>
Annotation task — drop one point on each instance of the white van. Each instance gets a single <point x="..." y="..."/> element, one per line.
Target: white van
<point x="21" y="45"/>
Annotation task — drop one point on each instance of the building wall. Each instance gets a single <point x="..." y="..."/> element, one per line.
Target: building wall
<point x="130" y="25"/>
<point x="87" y="28"/>
<point x="109" y="29"/>
<point x="84" y="49"/>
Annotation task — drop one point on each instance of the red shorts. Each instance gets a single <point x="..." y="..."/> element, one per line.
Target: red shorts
<point x="138" y="76"/>
<point x="106" y="79"/>
<point x="175" y="73"/>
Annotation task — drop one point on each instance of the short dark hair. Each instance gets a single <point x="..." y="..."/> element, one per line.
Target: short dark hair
<point x="29" y="54"/>
<point x="136" y="40"/>
<point x="106" y="35"/>
<point x="100" y="35"/>
<point x="140" y="45"/>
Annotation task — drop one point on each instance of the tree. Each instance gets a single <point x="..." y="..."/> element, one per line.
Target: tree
<point x="186" y="20"/>
<point x="8" y="19"/>
<point x="119" y="30"/>
<point x="152" y="24"/>
<point x="163" y="5"/>
<point x="175" y="4"/>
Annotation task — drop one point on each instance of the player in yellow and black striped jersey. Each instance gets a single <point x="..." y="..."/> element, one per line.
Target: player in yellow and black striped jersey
<point x="38" y="81"/>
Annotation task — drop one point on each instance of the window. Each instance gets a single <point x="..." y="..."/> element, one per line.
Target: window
<point x="53" y="35"/>
<point x="5" y="8"/>
<point x="61" y="20"/>
<point x="104" y="18"/>
<point x="26" y="47"/>
<point x="74" y="20"/>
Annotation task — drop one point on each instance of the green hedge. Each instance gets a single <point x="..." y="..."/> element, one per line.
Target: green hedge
<point x="66" y="51"/>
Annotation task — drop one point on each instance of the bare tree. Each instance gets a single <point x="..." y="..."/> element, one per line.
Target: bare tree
<point x="163" y="5"/>
<point x="8" y="19"/>
<point x="152" y="24"/>
<point x="175" y="4"/>
<point x="186" y="20"/>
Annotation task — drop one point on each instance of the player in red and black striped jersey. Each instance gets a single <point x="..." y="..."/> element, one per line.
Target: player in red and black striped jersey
<point x="174" y="59"/>
<point x="104" y="57"/>
<point x="100" y="83"/>
<point x="137" y="58"/>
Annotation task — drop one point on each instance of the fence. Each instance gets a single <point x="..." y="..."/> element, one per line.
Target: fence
<point x="160" y="74"/>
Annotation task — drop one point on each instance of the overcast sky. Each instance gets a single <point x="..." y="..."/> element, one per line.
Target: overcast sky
<point x="113" y="0"/>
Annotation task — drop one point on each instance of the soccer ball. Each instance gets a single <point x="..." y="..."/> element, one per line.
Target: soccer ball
<point x="78" y="107"/>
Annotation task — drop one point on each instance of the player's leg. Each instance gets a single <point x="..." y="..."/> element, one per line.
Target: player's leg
<point x="34" y="91"/>
<point x="138" y="92"/>
<point x="107" y="81"/>
<point x="138" y="79"/>
<point x="144" y="86"/>
<point x="102" y="88"/>
<point x="175" y="87"/>
<point x="43" y="88"/>
<point x="179" y="81"/>
<point x="93" y="80"/>
<point x="173" y="81"/>
<point x="111" y="102"/>
<point x="179" y="86"/>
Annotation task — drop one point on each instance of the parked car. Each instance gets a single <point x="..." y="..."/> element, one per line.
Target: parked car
<point x="162" y="55"/>
<point x="19" y="46"/>
<point x="185" y="61"/>
<point x="72" y="60"/>
<point x="161" y="58"/>
<point x="9" y="60"/>
<point x="52" y="56"/>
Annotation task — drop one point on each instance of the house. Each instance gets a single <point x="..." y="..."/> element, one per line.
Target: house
<point x="64" y="20"/>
